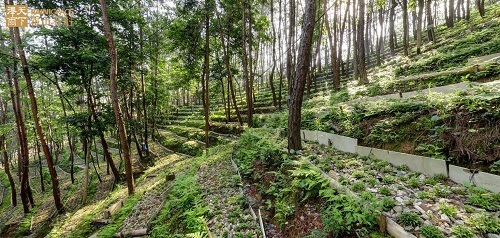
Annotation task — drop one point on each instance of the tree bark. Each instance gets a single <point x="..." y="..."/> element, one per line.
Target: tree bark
<point x="294" y="115"/>
<point x="3" y="144"/>
<point x="34" y="108"/>
<point x="430" y="22"/>
<point x="229" y="74"/>
<point x="23" y="159"/>
<point x="419" y="25"/>
<point x="271" y="75"/>
<point x="406" y="33"/>
<point x="363" y="77"/>
<point x="115" y="100"/>
<point x="207" y="73"/>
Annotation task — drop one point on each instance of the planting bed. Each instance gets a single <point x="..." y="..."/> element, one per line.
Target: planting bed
<point x="415" y="201"/>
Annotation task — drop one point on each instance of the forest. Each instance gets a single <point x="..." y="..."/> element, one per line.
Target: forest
<point x="250" y="118"/>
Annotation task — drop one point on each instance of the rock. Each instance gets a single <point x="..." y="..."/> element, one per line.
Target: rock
<point x="445" y="218"/>
<point x="420" y="209"/>
<point x="427" y="223"/>
<point x="459" y="222"/>
<point x="492" y="236"/>
<point x="398" y="209"/>
<point x="408" y="228"/>
<point x="400" y="200"/>
<point x="401" y="173"/>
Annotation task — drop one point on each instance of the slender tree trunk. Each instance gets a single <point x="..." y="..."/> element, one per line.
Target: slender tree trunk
<point x="304" y="59"/>
<point x="271" y="76"/>
<point x="39" y="165"/>
<point x="480" y="7"/>
<point x="248" y="86"/>
<point x="419" y="25"/>
<point x="406" y="33"/>
<point x="86" y="170"/>
<point x="291" y="36"/>
<point x="48" y="156"/>
<point x="3" y="144"/>
<point x="23" y="159"/>
<point x="115" y="100"/>
<point x="451" y="14"/>
<point x="143" y="88"/>
<point x="392" y="32"/>
<point x="361" y="43"/>
<point x="250" y="65"/>
<point x="104" y="143"/>
<point x="207" y="73"/>
<point x="430" y="21"/>
<point x="229" y="74"/>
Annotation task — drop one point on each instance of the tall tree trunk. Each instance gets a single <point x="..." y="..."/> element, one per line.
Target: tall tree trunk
<point x="246" y="78"/>
<point x="414" y="22"/>
<point x="34" y="108"/>
<point x="23" y="159"/>
<point x="271" y="75"/>
<point x="361" y="44"/>
<point x="143" y="87"/>
<point x="304" y="59"/>
<point x="93" y="111"/>
<point x="392" y="32"/>
<point x="480" y="7"/>
<point x="419" y="25"/>
<point x="250" y="65"/>
<point x="3" y="144"/>
<point x="207" y="73"/>
<point x="451" y="14"/>
<point x="229" y="74"/>
<point x="291" y="36"/>
<point x="406" y="33"/>
<point x="430" y="22"/>
<point x="115" y="100"/>
<point x="42" y="185"/>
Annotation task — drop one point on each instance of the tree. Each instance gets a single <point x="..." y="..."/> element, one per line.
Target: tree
<point x="363" y="77"/>
<point x="406" y="33"/>
<point x="34" y="109"/>
<point x="207" y="72"/>
<point x="419" y="25"/>
<point x="3" y="147"/>
<point x="114" y="98"/>
<point x="298" y="84"/>
<point x="480" y="7"/>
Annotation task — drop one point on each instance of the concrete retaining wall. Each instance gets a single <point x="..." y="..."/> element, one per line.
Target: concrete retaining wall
<point x="426" y="165"/>
<point x="422" y="164"/>
<point x="481" y="179"/>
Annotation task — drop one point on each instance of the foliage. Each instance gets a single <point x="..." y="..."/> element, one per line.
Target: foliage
<point x="184" y="211"/>
<point x="387" y="203"/>
<point x="449" y="210"/>
<point x="358" y="186"/>
<point x="410" y="219"/>
<point x="308" y="180"/>
<point x="430" y="231"/>
<point x="484" y="223"/>
<point x="258" y="144"/>
<point x="482" y="198"/>
<point x="384" y="191"/>
<point x="284" y="208"/>
<point x="462" y="231"/>
<point x="346" y="214"/>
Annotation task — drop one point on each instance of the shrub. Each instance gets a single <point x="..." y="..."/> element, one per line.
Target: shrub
<point x="462" y="231"/>
<point x="430" y="231"/>
<point x="410" y="219"/>
<point x="384" y="191"/>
